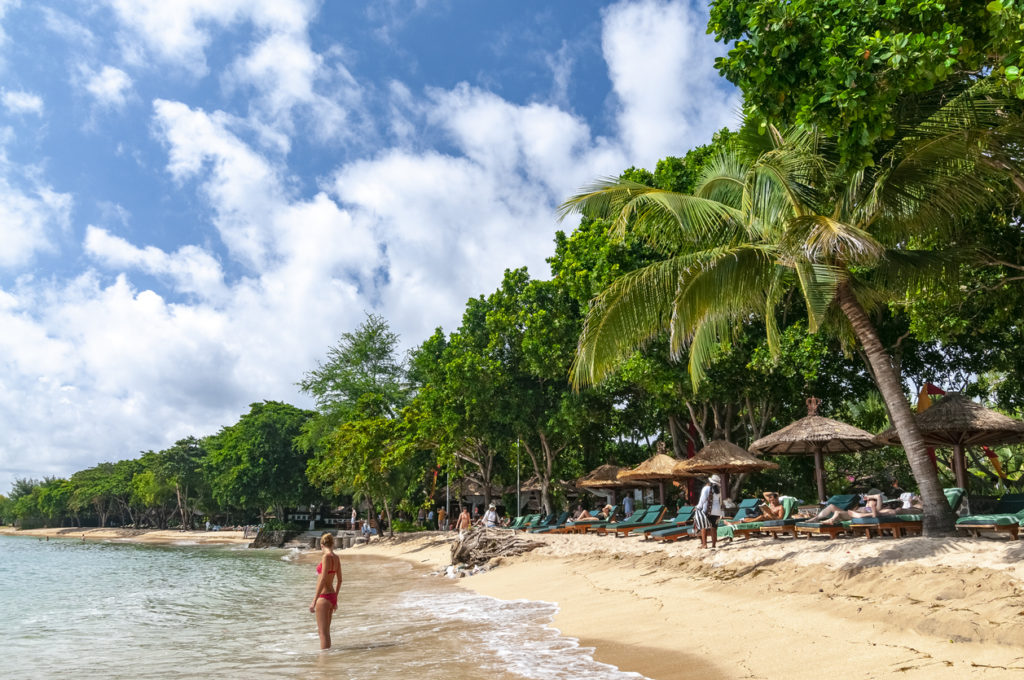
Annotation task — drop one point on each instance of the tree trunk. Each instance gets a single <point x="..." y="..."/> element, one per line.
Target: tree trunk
<point x="938" y="517"/>
<point x="391" y="525"/>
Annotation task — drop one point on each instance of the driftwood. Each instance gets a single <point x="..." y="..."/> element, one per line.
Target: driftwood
<point x="480" y="544"/>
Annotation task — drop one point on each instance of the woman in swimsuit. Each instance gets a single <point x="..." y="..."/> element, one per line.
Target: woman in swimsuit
<point x="325" y="601"/>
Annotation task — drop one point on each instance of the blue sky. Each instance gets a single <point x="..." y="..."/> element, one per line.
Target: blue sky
<point x="198" y="197"/>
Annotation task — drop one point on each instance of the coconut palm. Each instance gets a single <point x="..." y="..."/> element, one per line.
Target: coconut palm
<point x="763" y="221"/>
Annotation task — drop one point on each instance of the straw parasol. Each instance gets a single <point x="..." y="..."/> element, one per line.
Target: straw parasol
<point x="957" y="422"/>
<point x="659" y="467"/>
<point x="722" y="456"/>
<point x="816" y="435"/>
<point x="603" y="477"/>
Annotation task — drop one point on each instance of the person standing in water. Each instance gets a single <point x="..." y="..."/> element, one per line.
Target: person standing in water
<point x="325" y="600"/>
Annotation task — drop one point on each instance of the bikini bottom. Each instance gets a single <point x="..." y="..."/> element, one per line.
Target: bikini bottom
<point x="330" y="597"/>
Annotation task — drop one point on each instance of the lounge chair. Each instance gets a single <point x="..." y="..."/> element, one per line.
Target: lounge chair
<point x="1008" y="515"/>
<point x="653" y="515"/>
<point x="598" y="527"/>
<point x="554" y="526"/>
<point x="844" y="501"/>
<point x="583" y="527"/>
<point x="904" y="523"/>
<point x="772" y="526"/>
<point x="532" y="521"/>
<point x="746" y="508"/>
<point x="517" y="523"/>
<point x="683" y="518"/>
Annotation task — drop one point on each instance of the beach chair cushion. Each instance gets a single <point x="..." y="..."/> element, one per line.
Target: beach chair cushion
<point x="1008" y="504"/>
<point x="989" y="520"/>
<point x="955" y="495"/>
<point x="746" y="508"/>
<point x="777" y="523"/>
<point x="846" y="501"/>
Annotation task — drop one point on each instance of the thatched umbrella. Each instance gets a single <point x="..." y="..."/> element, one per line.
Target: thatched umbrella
<point x="816" y="435"/>
<point x="957" y="422"/>
<point x="724" y="457"/>
<point x="603" y="477"/>
<point x="658" y="467"/>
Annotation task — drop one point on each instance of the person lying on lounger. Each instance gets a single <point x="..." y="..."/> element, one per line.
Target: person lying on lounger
<point x="771" y="509"/>
<point x="833" y="514"/>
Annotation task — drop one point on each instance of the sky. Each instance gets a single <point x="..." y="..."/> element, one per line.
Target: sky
<point x="197" y="198"/>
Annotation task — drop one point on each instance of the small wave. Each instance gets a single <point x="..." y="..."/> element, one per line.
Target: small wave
<point x="518" y="633"/>
<point x="292" y="555"/>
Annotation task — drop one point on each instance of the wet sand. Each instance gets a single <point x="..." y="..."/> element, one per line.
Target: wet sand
<point x="155" y="536"/>
<point x="914" y="608"/>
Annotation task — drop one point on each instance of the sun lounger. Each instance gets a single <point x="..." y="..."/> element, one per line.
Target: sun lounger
<point x="746" y="508"/>
<point x="554" y="526"/>
<point x="584" y="526"/>
<point x="653" y="515"/>
<point x="533" y="521"/>
<point x="902" y="524"/>
<point x="517" y="523"/>
<point x="683" y="518"/>
<point x="844" y="501"/>
<point x="770" y="526"/>
<point x="598" y="527"/>
<point x="1007" y="517"/>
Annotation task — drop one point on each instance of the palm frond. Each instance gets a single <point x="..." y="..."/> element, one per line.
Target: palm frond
<point x="818" y="283"/>
<point x="632" y="310"/>
<point x="819" y="238"/>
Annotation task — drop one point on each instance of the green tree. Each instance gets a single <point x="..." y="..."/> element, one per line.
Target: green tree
<point x="794" y="217"/>
<point x="95" y="488"/>
<point x="183" y="465"/>
<point x="360" y="393"/>
<point x="857" y="69"/>
<point x="257" y="463"/>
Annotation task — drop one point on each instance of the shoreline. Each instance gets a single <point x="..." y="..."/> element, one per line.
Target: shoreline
<point x="149" y="536"/>
<point x="763" y="608"/>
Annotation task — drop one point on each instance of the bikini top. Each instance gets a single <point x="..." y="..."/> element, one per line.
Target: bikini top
<point x="319" y="569"/>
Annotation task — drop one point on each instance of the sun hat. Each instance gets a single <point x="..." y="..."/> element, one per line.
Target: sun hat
<point x="715" y="479"/>
<point x="491" y="505"/>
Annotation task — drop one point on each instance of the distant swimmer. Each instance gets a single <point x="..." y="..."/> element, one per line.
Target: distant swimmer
<point x="325" y="600"/>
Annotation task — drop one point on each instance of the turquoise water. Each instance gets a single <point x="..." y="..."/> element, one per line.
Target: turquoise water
<point x="121" y="610"/>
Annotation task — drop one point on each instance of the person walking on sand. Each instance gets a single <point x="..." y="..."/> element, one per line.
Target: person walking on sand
<point x="442" y="515"/>
<point x="464" y="521"/>
<point x="708" y="510"/>
<point x="325" y="600"/>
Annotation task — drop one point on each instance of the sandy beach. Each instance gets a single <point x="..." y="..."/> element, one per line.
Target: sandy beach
<point x="155" y="536"/>
<point x="763" y="608"/>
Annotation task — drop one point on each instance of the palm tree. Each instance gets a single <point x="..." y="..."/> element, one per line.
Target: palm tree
<point x="763" y="221"/>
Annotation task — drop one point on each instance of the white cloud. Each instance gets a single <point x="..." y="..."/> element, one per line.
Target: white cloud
<point x="661" y="63"/>
<point x="97" y="367"/>
<point x="5" y="5"/>
<point x="280" y="66"/>
<point x="19" y="102"/>
<point x="109" y="86"/>
<point x="32" y="214"/>
<point x="192" y="269"/>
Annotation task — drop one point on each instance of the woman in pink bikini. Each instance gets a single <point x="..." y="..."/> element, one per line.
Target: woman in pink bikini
<point x="325" y="601"/>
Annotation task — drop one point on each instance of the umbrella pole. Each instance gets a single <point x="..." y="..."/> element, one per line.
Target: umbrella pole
<point x="819" y="473"/>
<point x="661" y="491"/>
<point x="959" y="466"/>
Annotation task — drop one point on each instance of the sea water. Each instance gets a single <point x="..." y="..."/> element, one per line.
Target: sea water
<point x="70" y="609"/>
